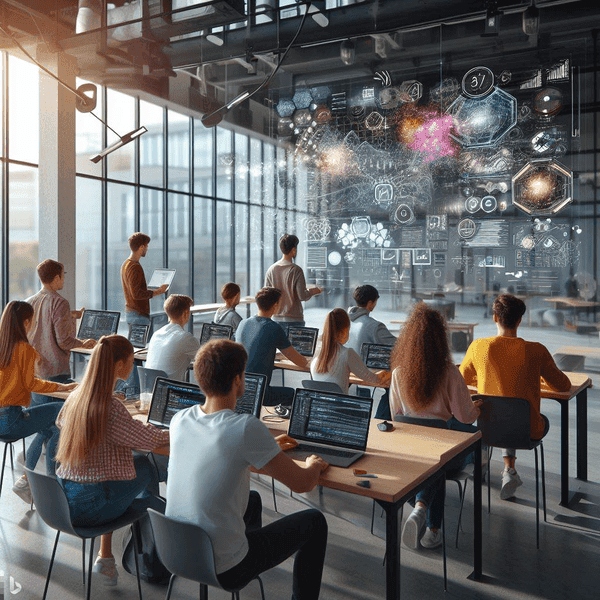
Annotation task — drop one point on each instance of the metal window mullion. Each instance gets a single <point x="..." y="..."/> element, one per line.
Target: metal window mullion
<point x="191" y="205"/>
<point x="232" y="214"/>
<point x="137" y="170"/>
<point x="166" y="187"/>
<point x="248" y="245"/>
<point x="104" y="204"/>
<point x="5" y="211"/>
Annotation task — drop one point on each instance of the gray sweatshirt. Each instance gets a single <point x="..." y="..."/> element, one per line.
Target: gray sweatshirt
<point x="227" y="316"/>
<point x="364" y="329"/>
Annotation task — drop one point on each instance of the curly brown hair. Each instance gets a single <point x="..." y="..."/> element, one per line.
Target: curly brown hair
<point x="421" y="355"/>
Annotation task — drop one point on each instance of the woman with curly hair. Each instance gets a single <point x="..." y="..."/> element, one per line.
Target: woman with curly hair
<point x="426" y="384"/>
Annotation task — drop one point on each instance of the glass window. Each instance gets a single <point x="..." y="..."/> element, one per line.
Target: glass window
<point x="152" y="144"/>
<point x="256" y="168"/>
<point x="241" y="249"/>
<point x="241" y="168"/>
<point x="282" y="177"/>
<point x="270" y="241"/>
<point x="268" y="172"/>
<point x="88" y="137"/>
<point x="203" y="159"/>
<point x="121" y="117"/>
<point x="203" y="254"/>
<point x="23" y="233"/>
<point x="224" y="163"/>
<point x="23" y="110"/>
<point x="88" y="240"/>
<point x="179" y="242"/>
<point x="179" y="152"/>
<point x="224" y="232"/>
<point x="152" y="223"/>
<point x="120" y="221"/>
<point x="257" y="271"/>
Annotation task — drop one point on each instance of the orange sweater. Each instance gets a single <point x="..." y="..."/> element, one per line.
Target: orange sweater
<point x="137" y="295"/>
<point x="18" y="380"/>
<point x="507" y="366"/>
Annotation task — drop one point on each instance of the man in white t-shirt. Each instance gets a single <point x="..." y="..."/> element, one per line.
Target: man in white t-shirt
<point x="171" y="348"/>
<point x="212" y="451"/>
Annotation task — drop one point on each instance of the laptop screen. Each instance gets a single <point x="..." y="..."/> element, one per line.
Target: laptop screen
<point x="212" y="331"/>
<point x="96" y="323"/>
<point x="160" y="277"/>
<point x="138" y="334"/>
<point x="251" y="402"/>
<point x="303" y="339"/>
<point x="169" y="397"/>
<point x="332" y="419"/>
<point x="377" y="356"/>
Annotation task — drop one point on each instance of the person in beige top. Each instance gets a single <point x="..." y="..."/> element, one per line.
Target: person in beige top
<point x="289" y="278"/>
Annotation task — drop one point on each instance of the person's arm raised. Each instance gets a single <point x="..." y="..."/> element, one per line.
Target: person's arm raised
<point x="299" y="478"/>
<point x="297" y="358"/>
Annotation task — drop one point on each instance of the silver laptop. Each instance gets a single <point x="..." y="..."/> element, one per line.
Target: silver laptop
<point x="377" y="356"/>
<point x="138" y="335"/>
<point x="160" y="277"/>
<point x="333" y="426"/>
<point x="303" y="339"/>
<point x="214" y="331"/>
<point x="96" y="323"/>
<point x="169" y="397"/>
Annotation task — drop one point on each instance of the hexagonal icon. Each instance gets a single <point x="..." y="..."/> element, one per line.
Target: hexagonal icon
<point x="542" y="187"/>
<point x="285" y="107"/>
<point x="302" y="98"/>
<point x="483" y="121"/>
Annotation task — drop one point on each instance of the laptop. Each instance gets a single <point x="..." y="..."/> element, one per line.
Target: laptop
<point x="251" y="402"/>
<point x="96" y="323"/>
<point x="213" y="331"/>
<point x="138" y="334"/>
<point x="333" y="426"/>
<point x="160" y="277"/>
<point x="377" y="356"/>
<point x="303" y="339"/>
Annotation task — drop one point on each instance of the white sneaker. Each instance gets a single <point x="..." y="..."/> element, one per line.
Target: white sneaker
<point x="413" y="528"/>
<point x="22" y="489"/>
<point x="432" y="539"/>
<point x="510" y="482"/>
<point x="107" y="569"/>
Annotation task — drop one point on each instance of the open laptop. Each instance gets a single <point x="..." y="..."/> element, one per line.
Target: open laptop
<point x="377" y="356"/>
<point x="160" y="277"/>
<point x="213" y="331"/>
<point x="251" y="402"/>
<point x="333" y="426"/>
<point x="96" y="323"/>
<point x="303" y="339"/>
<point x="138" y="334"/>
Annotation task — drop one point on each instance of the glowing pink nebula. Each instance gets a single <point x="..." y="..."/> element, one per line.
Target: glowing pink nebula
<point x="433" y="139"/>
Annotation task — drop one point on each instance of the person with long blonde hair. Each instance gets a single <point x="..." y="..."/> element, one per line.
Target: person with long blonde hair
<point x="335" y="362"/>
<point x="17" y="381"/>
<point x="425" y="383"/>
<point x="97" y="470"/>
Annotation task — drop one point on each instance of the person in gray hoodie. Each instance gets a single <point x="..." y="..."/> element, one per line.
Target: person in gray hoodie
<point x="364" y="329"/>
<point x="227" y="315"/>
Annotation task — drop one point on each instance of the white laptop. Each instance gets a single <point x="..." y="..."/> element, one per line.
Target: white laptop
<point x="160" y="277"/>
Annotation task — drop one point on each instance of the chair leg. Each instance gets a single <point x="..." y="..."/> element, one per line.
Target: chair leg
<point x="12" y="463"/>
<point x="489" y="477"/>
<point x="543" y="480"/>
<point x="203" y="592"/>
<point x="50" y="566"/>
<point x="462" y="503"/>
<point x="89" y="581"/>
<point x="83" y="559"/>
<point x="170" y="588"/>
<point x="262" y="589"/>
<point x="135" y="556"/>
<point x="372" y="517"/>
<point x="537" y="502"/>
<point x="444" y="540"/>
<point x="3" y="465"/>
<point x="274" y="498"/>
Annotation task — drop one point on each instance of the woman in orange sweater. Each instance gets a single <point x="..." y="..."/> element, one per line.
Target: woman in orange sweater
<point x="17" y="381"/>
<point x="507" y="365"/>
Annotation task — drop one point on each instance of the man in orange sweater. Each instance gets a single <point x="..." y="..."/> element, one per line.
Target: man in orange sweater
<point x="507" y="365"/>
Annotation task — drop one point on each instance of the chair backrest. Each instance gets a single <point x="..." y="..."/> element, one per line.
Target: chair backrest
<point x="148" y="377"/>
<point x="321" y="386"/>
<point x="424" y="421"/>
<point x="184" y="548"/>
<point x="504" y="422"/>
<point x="50" y="501"/>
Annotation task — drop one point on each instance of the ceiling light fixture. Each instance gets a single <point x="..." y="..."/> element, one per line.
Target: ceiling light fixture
<point x="348" y="52"/>
<point x="125" y="139"/>
<point x="492" y="19"/>
<point x="531" y="19"/>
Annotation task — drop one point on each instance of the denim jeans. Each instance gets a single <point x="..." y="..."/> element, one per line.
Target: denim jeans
<point x="303" y="534"/>
<point x="19" y="422"/>
<point x="93" y="504"/>
<point x="131" y="387"/>
<point x="39" y="399"/>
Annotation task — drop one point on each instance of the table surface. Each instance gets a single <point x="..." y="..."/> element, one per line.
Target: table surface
<point x="580" y="350"/>
<point x="571" y="301"/>
<point x="450" y="324"/>
<point x="204" y="308"/>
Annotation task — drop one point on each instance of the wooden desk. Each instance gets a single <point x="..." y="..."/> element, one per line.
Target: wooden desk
<point x="468" y="328"/>
<point x="587" y="351"/>
<point x="573" y="302"/>
<point x="197" y="309"/>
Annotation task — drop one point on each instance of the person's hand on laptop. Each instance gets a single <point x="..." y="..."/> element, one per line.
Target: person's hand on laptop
<point x="88" y="344"/>
<point x="76" y="314"/>
<point x="316" y="461"/>
<point x="161" y="290"/>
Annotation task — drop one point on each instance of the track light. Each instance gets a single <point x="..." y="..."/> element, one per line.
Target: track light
<point x="531" y="20"/>
<point x="492" y="19"/>
<point x="348" y="52"/>
<point x="128" y="137"/>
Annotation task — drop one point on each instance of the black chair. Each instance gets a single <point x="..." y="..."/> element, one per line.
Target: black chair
<point x="506" y="423"/>
<point x="8" y="442"/>
<point x="321" y="386"/>
<point x="192" y="557"/>
<point x="52" y="506"/>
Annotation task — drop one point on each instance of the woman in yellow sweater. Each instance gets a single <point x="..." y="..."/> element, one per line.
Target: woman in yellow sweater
<point x="17" y="381"/>
<point x="507" y="365"/>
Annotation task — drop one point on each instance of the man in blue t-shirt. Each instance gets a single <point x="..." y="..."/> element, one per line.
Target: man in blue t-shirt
<point x="262" y="337"/>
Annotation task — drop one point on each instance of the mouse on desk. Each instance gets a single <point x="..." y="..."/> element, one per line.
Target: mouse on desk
<point x="282" y="411"/>
<point x="385" y="426"/>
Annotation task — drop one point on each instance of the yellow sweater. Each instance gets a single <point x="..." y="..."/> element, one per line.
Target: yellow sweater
<point x="18" y="380"/>
<point x="507" y="366"/>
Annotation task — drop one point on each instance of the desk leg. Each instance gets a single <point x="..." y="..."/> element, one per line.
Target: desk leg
<point x="582" y="435"/>
<point x="477" y="528"/>
<point x="392" y="551"/>
<point x="564" y="453"/>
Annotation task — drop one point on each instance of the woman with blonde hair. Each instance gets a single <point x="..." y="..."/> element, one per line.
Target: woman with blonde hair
<point x="17" y="381"/>
<point x="335" y="362"/>
<point x="426" y="384"/>
<point x="98" y="472"/>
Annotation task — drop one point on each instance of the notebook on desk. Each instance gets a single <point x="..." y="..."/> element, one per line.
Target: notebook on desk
<point x="96" y="323"/>
<point x="333" y="426"/>
<point x="303" y="339"/>
<point x="377" y="356"/>
<point x="213" y="331"/>
<point x="160" y="277"/>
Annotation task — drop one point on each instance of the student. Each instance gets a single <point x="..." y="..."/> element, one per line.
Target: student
<point x="335" y="362"/>
<point x="262" y="337"/>
<point x="227" y="315"/>
<point x="364" y="329"/>
<point x="507" y="365"/>
<point x="289" y="278"/>
<point x="425" y="383"/>
<point x="52" y="334"/>
<point x="171" y="348"/>
<point x="17" y="381"/>
<point x="98" y="472"/>
<point x="212" y="451"/>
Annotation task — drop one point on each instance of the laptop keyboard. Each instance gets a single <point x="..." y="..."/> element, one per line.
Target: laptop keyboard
<point x="322" y="450"/>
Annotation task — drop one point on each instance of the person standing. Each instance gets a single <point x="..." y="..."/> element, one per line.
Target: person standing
<point x="288" y="277"/>
<point x="52" y="333"/>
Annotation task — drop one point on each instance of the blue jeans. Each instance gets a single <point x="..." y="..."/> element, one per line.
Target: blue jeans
<point x="93" y="504"/>
<point x="19" y="422"/>
<point x="131" y="387"/>
<point x="39" y="399"/>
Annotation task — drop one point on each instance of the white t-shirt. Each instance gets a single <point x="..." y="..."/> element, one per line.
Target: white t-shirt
<point x="171" y="349"/>
<point x="209" y="477"/>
